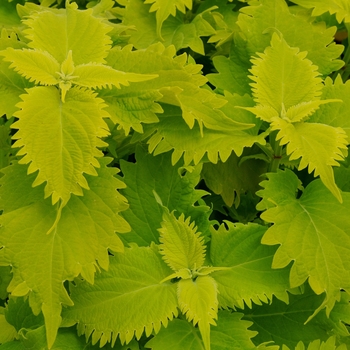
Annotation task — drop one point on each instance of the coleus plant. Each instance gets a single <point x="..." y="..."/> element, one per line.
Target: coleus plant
<point x="174" y="174"/>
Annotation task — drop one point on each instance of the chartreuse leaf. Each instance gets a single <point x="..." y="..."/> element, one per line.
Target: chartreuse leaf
<point x="319" y="147"/>
<point x="230" y="333"/>
<point x="78" y="244"/>
<point x="264" y="16"/>
<point x="312" y="232"/>
<point x="286" y="84"/>
<point x="8" y="332"/>
<point x="177" y="192"/>
<point x="284" y="324"/>
<point x="65" y="26"/>
<point x="341" y="8"/>
<point x="181" y="246"/>
<point x="329" y="344"/>
<point x="334" y="114"/>
<point x="70" y="134"/>
<point x="198" y="301"/>
<point x="36" y="65"/>
<point x="130" y="286"/>
<point x="248" y="277"/>
<point x="165" y="8"/>
<point x="12" y="85"/>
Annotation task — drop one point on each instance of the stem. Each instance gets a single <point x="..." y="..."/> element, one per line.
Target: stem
<point x="277" y="153"/>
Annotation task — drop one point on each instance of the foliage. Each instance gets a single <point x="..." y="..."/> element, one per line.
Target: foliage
<point x="174" y="174"/>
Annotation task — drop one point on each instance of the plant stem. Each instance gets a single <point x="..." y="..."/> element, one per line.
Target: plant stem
<point x="277" y="154"/>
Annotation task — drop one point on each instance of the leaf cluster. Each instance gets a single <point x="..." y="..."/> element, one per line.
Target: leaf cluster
<point x="174" y="175"/>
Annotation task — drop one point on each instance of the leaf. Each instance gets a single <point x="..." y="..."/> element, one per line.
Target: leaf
<point x="180" y="245"/>
<point x="165" y="8"/>
<point x="198" y="301"/>
<point x="283" y="79"/>
<point x="69" y="133"/>
<point x="312" y="232"/>
<point x="285" y="323"/>
<point x="334" y="114"/>
<point x="78" y="245"/>
<point x="266" y="16"/>
<point x="319" y="146"/>
<point x="232" y="178"/>
<point x="230" y="333"/>
<point x="249" y="277"/>
<point x="35" y="65"/>
<point x="340" y="8"/>
<point x="72" y="29"/>
<point x="5" y="278"/>
<point x="173" y="134"/>
<point x="130" y="285"/>
<point x="12" y="85"/>
<point x="93" y="75"/>
<point x="8" y="332"/>
<point x="177" y="192"/>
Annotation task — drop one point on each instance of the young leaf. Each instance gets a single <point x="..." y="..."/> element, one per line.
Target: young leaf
<point x="249" y="277"/>
<point x="198" y="301"/>
<point x="131" y="299"/>
<point x="181" y="246"/>
<point x="312" y="231"/>
<point x="284" y="78"/>
<point x="66" y="26"/>
<point x="319" y="146"/>
<point x="36" y="65"/>
<point x="341" y="8"/>
<point x="317" y="40"/>
<point x="78" y="244"/>
<point x="69" y="133"/>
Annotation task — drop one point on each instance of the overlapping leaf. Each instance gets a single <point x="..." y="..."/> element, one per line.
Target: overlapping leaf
<point x="264" y="16"/>
<point x="341" y="8"/>
<point x="319" y="147"/>
<point x="249" y="277"/>
<point x="312" y="232"/>
<point x="272" y="322"/>
<point x="130" y="298"/>
<point x="231" y="332"/>
<point x="172" y="133"/>
<point x="12" y="85"/>
<point x="165" y="8"/>
<point x="68" y="133"/>
<point x="78" y="244"/>
<point x="176" y="192"/>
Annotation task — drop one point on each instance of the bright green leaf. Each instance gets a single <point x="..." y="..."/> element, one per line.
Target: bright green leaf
<point x="198" y="301"/>
<point x="319" y="147"/>
<point x="249" y="277"/>
<point x="312" y="232"/>
<point x="266" y="16"/>
<point x="78" y="245"/>
<point x="181" y="245"/>
<point x="69" y="133"/>
<point x="35" y="65"/>
<point x="341" y="8"/>
<point x="130" y="285"/>
<point x="66" y="26"/>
